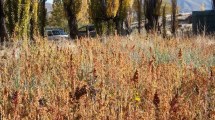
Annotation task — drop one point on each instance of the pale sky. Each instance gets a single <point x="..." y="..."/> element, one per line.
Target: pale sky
<point x="50" y="1"/>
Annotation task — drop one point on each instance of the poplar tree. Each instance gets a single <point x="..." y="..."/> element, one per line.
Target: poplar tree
<point x="122" y="14"/>
<point x="34" y="19"/>
<point x="164" y="21"/>
<point x="24" y="18"/>
<point x="109" y="14"/>
<point x="97" y="15"/>
<point x="152" y="10"/>
<point x="174" y="16"/>
<point x="83" y="15"/>
<point x="72" y="8"/>
<point x="103" y="13"/>
<point x="42" y="17"/>
<point x="111" y="8"/>
<point x="3" y="29"/>
<point x="138" y="6"/>
<point x="58" y="16"/>
<point x="17" y="13"/>
<point x="13" y="10"/>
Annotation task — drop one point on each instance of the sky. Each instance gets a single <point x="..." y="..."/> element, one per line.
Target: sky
<point x="49" y="1"/>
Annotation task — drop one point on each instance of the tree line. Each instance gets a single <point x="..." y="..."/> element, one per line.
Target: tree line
<point x="27" y="18"/>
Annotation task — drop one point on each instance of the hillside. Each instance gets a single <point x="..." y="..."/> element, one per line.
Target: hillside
<point x="193" y="5"/>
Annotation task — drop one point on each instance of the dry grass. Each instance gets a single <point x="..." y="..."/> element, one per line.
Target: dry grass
<point x="119" y="78"/>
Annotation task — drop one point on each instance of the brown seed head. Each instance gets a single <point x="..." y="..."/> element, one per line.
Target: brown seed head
<point x="180" y="54"/>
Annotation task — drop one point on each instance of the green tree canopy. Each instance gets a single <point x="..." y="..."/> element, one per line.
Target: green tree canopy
<point x="58" y="15"/>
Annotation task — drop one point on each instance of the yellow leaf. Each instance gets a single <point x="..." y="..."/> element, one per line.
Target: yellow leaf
<point x="137" y="98"/>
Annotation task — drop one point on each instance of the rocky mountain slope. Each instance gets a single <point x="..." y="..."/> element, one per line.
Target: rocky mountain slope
<point x="194" y="5"/>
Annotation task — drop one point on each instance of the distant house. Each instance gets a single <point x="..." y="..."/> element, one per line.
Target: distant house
<point x="184" y="21"/>
<point x="184" y="18"/>
<point x="203" y="21"/>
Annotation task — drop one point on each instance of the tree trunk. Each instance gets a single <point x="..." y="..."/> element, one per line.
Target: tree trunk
<point x="42" y="17"/>
<point x="72" y="18"/>
<point x="174" y="17"/>
<point x="73" y="27"/>
<point x="139" y="15"/>
<point x="164" y="21"/>
<point x="152" y="13"/>
<point x="34" y="20"/>
<point x="3" y="29"/>
<point x="118" y="19"/>
<point x="108" y="27"/>
<point x="117" y="24"/>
